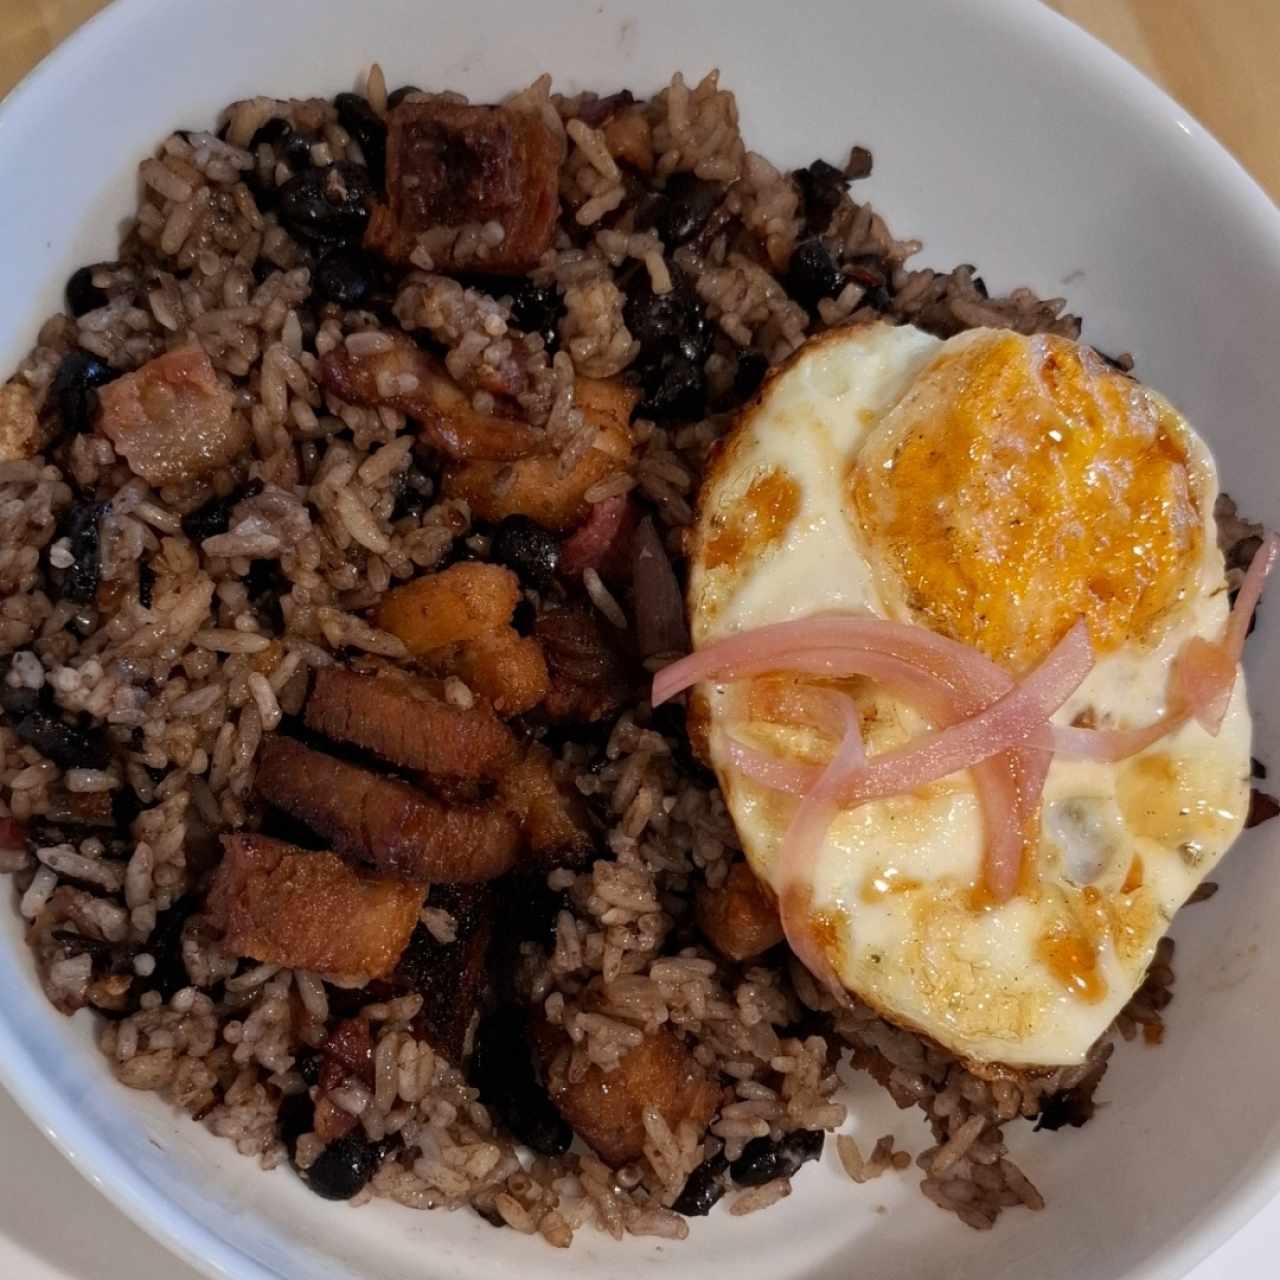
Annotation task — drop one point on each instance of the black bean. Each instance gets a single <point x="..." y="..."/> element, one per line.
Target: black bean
<point x="822" y="187"/>
<point x="762" y="1160"/>
<point x="525" y="546"/>
<point x="524" y="616"/>
<point x="673" y="387"/>
<point x="15" y="701"/>
<point x="343" y="1168"/>
<point x="266" y="195"/>
<point x="413" y="493"/>
<point x="266" y="583"/>
<point x="79" y="526"/>
<point x="73" y="389"/>
<point x="125" y="807"/>
<point x="491" y="1216"/>
<point x="329" y="205"/>
<point x="537" y="308"/>
<point x="1073" y="1107"/>
<point x="674" y="337"/>
<point x="295" y="149"/>
<point x="165" y="944"/>
<point x="215" y="516"/>
<point x="360" y="120"/>
<point x="344" y="276"/>
<point x="296" y="1116"/>
<point x="273" y="133"/>
<point x="66" y="745"/>
<point x="397" y="96"/>
<point x="704" y="1186"/>
<point x="812" y="273"/>
<point x="502" y="1069"/>
<point x="82" y="294"/>
<point x="146" y="583"/>
<point x="308" y="1064"/>
<point x="667" y="322"/>
<point x="749" y="373"/>
<point x="685" y="206"/>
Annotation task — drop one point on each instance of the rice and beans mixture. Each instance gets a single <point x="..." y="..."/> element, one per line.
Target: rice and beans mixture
<point x="341" y="524"/>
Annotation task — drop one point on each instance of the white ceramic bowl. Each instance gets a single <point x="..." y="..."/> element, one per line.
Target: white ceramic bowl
<point x="1003" y="137"/>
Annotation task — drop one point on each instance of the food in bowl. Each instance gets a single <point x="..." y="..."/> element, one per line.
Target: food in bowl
<point x="347" y="520"/>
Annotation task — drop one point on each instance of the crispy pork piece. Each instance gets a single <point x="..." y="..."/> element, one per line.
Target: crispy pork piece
<point x="607" y="1108"/>
<point x="504" y="667"/>
<point x="451" y="977"/>
<point x="406" y="721"/>
<point x="450" y="607"/>
<point x="450" y="165"/>
<point x="283" y="905"/>
<point x="589" y="676"/>
<point x="406" y="378"/>
<point x="172" y="419"/>
<point x="739" y="918"/>
<point x="534" y="486"/>
<point x="402" y="832"/>
<point x="553" y="815"/>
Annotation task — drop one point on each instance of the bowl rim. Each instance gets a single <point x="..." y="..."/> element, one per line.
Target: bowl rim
<point x="136" y="1195"/>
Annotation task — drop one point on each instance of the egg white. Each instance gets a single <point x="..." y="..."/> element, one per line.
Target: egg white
<point x="973" y="977"/>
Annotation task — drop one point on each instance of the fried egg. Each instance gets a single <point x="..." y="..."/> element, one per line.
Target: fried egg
<point x="993" y="488"/>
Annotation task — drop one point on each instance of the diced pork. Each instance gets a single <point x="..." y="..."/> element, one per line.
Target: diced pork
<point x="607" y="1108"/>
<point x="502" y="666"/>
<point x="172" y="419"/>
<point x="407" y="722"/>
<point x="401" y="831"/>
<point x="283" y="905"/>
<point x="739" y="919"/>
<point x="590" y="677"/>
<point x="552" y="815"/>
<point x="406" y="378"/>
<point x="534" y="486"/>
<point x="450" y="607"/>
<point x="451" y="165"/>
<point x="451" y="977"/>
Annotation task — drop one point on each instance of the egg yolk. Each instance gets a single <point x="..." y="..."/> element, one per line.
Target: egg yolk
<point x="1021" y="484"/>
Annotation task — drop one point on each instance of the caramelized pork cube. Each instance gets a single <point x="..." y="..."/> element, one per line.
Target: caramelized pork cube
<point x="502" y="666"/>
<point x="607" y="1108"/>
<point x="451" y="977"/>
<point x="283" y="905"/>
<point x="451" y="165"/>
<point x="739" y="919"/>
<point x="172" y="419"/>
<point x="407" y="722"/>
<point x="552" y="814"/>
<point x="534" y="486"/>
<point x="401" y="831"/>
<point x="590" y="677"/>
<point x="450" y="607"/>
<point x="402" y="376"/>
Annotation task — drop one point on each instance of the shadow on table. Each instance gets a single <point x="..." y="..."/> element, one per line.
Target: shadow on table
<point x="84" y="1237"/>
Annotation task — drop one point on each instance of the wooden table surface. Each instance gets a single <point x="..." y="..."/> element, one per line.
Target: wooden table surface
<point x="1217" y="57"/>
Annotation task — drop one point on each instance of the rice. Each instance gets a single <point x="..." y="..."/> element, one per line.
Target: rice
<point x="214" y="601"/>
